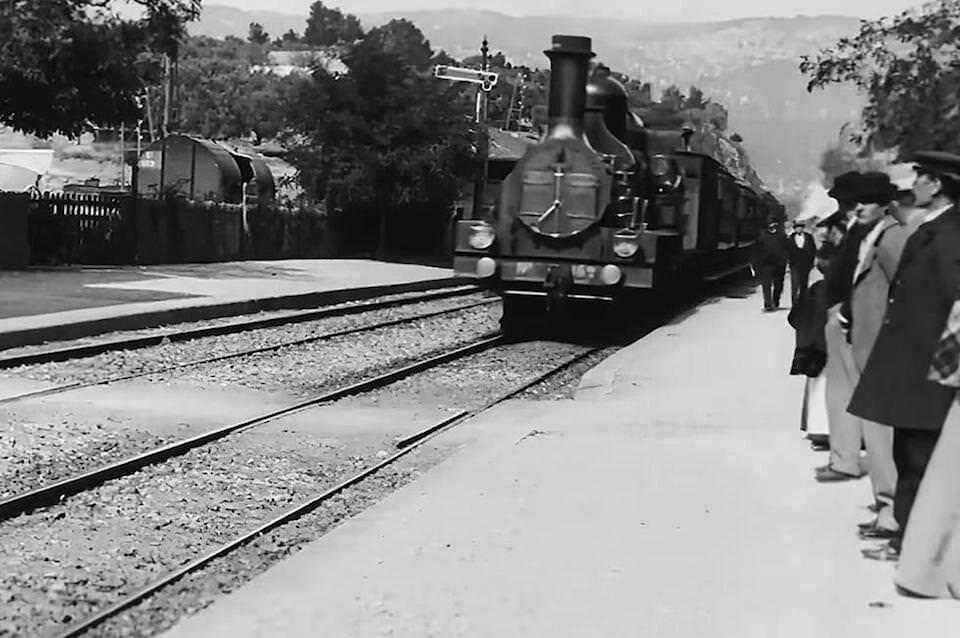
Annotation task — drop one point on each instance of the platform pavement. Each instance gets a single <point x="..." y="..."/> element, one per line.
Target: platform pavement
<point x="673" y="497"/>
<point x="52" y="304"/>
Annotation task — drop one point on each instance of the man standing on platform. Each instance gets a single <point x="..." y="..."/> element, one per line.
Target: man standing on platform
<point x="846" y="432"/>
<point x="800" y="254"/>
<point x="769" y="263"/>
<point x="894" y="389"/>
<point x="877" y="261"/>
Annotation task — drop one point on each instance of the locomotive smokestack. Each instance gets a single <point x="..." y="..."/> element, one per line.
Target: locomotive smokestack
<point x="569" y="58"/>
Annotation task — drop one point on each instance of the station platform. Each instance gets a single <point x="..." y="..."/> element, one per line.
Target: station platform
<point x="41" y="305"/>
<point x="673" y="497"/>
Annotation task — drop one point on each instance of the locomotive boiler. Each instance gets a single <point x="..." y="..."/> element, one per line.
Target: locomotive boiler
<point x="605" y="208"/>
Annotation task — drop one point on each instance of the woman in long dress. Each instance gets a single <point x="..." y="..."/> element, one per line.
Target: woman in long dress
<point x="808" y="317"/>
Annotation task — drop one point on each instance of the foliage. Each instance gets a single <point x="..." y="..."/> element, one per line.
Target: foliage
<point x="846" y="155"/>
<point x="65" y="64"/>
<point x="909" y="67"/>
<point x="385" y="135"/>
<point x="256" y="34"/>
<point x="224" y="95"/>
<point x="695" y="100"/>
<point x="327" y="26"/>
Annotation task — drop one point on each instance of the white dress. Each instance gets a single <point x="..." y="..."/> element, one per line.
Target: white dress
<point x="814" y="416"/>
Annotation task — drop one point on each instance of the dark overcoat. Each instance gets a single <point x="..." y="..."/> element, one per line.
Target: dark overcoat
<point x="770" y="250"/>
<point x="809" y="317"/>
<point x="801" y="257"/>
<point x="893" y="388"/>
<point x="839" y="275"/>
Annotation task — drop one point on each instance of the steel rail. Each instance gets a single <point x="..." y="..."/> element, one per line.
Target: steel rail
<point x="145" y="341"/>
<point x="406" y="446"/>
<point x="233" y="355"/>
<point x="54" y="492"/>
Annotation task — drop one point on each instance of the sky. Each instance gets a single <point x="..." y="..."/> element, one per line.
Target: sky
<point x="656" y="10"/>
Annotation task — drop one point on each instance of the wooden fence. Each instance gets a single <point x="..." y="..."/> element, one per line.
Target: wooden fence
<point x="82" y="228"/>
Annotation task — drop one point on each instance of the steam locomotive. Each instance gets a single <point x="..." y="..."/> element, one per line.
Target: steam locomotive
<point x="609" y="204"/>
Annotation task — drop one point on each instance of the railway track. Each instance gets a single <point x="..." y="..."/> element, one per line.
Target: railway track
<point x="214" y="331"/>
<point x="404" y="446"/>
<point x="54" y="492"/>
<point x="162" y="335"/>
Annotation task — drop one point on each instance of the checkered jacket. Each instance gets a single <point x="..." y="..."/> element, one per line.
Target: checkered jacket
<point x="945" y="367"/>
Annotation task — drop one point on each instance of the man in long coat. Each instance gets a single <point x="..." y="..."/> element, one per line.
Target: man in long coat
<point x="876" y="266"/>
<point x="769" y="263"/>
<point x="801" y="250"/>
<point x="894" y="389"/>
<point x="846" y="431"/>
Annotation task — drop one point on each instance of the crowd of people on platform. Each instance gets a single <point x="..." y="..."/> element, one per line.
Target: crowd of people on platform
<point x="878" y="338"/>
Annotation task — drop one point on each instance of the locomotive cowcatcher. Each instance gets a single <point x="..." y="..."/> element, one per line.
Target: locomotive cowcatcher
<point x="605" y="207"/>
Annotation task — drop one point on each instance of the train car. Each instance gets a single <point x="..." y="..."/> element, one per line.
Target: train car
<point x="609" y="204"/>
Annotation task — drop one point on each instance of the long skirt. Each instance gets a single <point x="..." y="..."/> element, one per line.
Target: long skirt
<point x="930" y="558"/>
<point x="813" y="419"/>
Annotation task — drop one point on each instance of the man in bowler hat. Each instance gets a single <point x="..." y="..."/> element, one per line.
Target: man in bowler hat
<point x="846" y="431"/>
<point x="801" y="250"/>
<point x="894" y="389"/>
<point x="838" y="223"/>
<point x="769" y="263"/>
<point x="876" y="264"/>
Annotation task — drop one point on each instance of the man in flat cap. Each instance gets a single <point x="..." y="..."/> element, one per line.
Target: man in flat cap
<point x="894" y="389"/>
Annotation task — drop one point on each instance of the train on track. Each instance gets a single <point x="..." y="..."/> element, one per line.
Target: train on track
<point x="611" y="203"/>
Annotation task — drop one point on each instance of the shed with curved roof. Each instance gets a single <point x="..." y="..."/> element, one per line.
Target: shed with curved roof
<point x="189" y="167"/>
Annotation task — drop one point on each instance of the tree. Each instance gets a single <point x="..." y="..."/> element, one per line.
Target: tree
<point x="672" y="97"/>
<point x="224" y="95"/>
<point x="327" y="26"/>
<point x="289" y="38"/>
<point x="256" y="34"/>
<point x="384" y="137"/>
<point x="909" y="67"/>
<point x="695" y="100"/>
<point x="66" y="64"/>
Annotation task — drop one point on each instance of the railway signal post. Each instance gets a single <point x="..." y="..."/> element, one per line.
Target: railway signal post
<point x="485" y="81"/>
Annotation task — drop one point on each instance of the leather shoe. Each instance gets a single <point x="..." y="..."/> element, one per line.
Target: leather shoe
<point x="876" y="533"/>
<point x="830" y="475"/>
<point x="903" y="591"/>
<point x="882" y="553"/>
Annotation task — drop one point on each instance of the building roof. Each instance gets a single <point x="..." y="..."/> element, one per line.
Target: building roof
<point x="509" y="145"/>
<point x="284" y="63"/>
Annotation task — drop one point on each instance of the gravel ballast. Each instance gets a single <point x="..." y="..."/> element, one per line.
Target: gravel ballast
<point x="165" y="355"/>
<point x="46" y="441"/>
<point x="69" y="560"/>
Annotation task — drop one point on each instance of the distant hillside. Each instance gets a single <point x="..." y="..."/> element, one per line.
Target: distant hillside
<point x="218" y="22"/>
<point x="750" y="65"/>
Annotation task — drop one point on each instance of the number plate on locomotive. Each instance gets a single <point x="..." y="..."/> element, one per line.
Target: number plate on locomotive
<point x="583" y="273"/>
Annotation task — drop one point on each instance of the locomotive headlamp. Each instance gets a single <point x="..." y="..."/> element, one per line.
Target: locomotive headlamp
<point x="610" y="274"/>
<point x="626" y="245"/>
<point x="481" y="236"/>
<point x="486" y="267"/>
